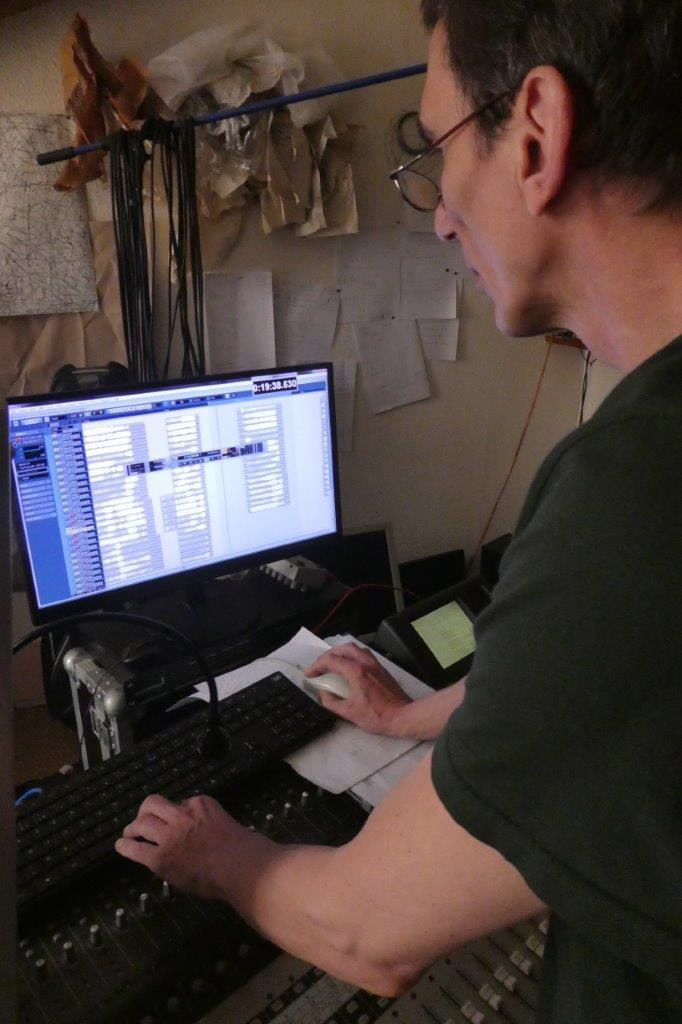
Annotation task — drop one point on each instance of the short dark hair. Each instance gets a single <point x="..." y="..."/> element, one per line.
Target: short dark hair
<point x="621" y="58"/>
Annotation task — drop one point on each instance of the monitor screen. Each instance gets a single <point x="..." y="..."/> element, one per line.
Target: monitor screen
<point x="130" y="488"/>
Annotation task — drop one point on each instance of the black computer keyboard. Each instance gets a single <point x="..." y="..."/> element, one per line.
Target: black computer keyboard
<point x="72" y="827"/>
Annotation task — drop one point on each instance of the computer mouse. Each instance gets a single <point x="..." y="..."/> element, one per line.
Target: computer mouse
<point x="329" y="682"/>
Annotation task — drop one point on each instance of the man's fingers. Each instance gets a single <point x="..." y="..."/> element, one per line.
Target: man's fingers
<point x="141" y="853"/>
<point x="161" y="808"/>
<point x="332" y="703"/>
<point x="146" y="826"/>
<point x="331" y="662"/>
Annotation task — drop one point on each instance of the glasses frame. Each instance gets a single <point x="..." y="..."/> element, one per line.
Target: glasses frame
<point x="431" y="148"/>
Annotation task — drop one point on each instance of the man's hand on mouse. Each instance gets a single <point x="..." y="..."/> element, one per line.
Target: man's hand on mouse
<point x="186" y="844"/>
<point x="375" y="699"/>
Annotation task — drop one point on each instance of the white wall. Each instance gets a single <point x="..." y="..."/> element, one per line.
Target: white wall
<point x="433" y="469"/>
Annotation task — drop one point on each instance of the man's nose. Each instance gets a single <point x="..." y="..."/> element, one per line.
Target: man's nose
<point x="445" y="229"/>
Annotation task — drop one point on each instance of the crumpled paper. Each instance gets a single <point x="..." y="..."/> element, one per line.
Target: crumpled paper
<point x="87" y="79"/>
<point x="280" y="157"/>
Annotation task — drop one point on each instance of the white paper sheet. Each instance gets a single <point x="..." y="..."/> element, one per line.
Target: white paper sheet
<point x="439" y="338"/>
<point x="345" y="755"/>
<point x="45" y="250"/>
<point x="305" y="322"/>
<point x="429" y="270"/>
<point x="374" y="788"/>
<point x="393" y="368"/>
<point x="368" y="272"/>
<point x="345" y="372"/>
<point x="240" y="330"/>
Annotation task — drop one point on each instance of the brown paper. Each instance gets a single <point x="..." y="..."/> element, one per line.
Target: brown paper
<point x="34" y="347"/>
<point x="285" y="198"/>
<point x="87" y="79"/>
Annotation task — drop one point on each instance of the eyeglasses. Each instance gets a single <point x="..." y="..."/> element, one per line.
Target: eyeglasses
<point x="421" y="188"/>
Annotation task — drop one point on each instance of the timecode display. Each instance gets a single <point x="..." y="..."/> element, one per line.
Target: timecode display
<point x="269" y="385"/>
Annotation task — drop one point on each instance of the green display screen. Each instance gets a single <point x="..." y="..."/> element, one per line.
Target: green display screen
<point x="448" y="632"/>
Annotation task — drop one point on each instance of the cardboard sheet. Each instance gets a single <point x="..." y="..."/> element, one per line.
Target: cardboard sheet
<point x="45" y="252"/>
<point x="345" y="373"/>
<point x="240" y="331"/>
<point x="393" y="368"/>
<point x="369" y="276"/>
<point x="439" y="338"/>
<point x="35" y="347"/>
<point x="305" y="321"/>
<point x="429" y="273"/>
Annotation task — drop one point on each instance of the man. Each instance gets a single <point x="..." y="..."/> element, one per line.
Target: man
<point x="556" y="780"/>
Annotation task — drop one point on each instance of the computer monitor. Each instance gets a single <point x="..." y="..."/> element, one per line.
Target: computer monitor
<point x="124" y="492"/>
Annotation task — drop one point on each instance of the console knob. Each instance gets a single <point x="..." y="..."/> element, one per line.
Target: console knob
<point x="57" y="937"/>
<point x="305" y="798"/>
<point x="68" y="952"/>
<point x="220" y="968"/>
<point x="173" y="1005"/>
<point x="121" y="918"/>
<point x="95" y="935"/>
<point x="269" y="822"/>
<point x="199" y="986"/>
<point x="144" y="903"/>
<point x="165" y="891"/>
<point x="287" y="810"/>
<point x="243" y="950"/>
<point x="41" y="968"/>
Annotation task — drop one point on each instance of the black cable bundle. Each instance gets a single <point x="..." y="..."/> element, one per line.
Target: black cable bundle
<point x="176" y="145"/>
<point x="128" y="158"/>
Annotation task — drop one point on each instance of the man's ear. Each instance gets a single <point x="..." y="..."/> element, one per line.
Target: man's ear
<point x="544" y="116"/>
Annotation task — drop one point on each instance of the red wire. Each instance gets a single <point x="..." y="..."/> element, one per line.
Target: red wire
<point x="353" y="590"/>
<point x="516" y="455"/>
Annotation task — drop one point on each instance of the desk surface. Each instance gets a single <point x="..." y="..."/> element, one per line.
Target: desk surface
<point x="42" y="744"/>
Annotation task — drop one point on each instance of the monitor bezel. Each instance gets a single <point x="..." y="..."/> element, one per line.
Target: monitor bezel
<point x="185" y="577"/>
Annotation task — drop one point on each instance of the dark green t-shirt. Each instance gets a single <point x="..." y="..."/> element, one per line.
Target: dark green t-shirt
<point x="566" y="752"/>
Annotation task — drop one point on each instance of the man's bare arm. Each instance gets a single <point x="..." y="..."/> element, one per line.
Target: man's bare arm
<point x="377" y="704"/>
<point x="408" y="889"/>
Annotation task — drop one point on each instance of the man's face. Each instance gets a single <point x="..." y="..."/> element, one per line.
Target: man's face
<point x="482" y="206"/>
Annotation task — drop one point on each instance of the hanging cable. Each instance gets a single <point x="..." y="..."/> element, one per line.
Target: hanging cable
<point x="177" y="157"/>
<point x="128" y="158"/>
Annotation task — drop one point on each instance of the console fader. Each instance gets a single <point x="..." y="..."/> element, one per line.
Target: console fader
<point x="123" y="948"/>
<point x="126" y="949"/>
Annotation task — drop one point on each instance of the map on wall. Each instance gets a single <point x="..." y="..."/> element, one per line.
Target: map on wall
<point x="45" y="250"/>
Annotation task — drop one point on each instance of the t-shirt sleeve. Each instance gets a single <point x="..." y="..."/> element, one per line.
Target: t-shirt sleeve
<point x="565" y="754"/>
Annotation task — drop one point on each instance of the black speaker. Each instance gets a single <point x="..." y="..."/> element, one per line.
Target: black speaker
<point x="362" y="555"/>
<point x="426" y="576"/>
<point x="491" y="556"/>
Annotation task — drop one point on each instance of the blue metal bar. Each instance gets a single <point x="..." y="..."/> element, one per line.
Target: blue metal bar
<point x="273" y="103"/>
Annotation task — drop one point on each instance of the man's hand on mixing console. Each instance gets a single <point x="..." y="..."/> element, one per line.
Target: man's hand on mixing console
<point x="185" y="844"/>
<point x="375" y="699"/>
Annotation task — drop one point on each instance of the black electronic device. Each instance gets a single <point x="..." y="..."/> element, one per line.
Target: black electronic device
<point x="71" y="828"/>
<point x="126" y="948"/>
<point x="363" y="555"/>
<point x="430" y="575"/>
<point x="491" y="557"/>
<point x="434" y="638"/>
<point x="125" y="492"/>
